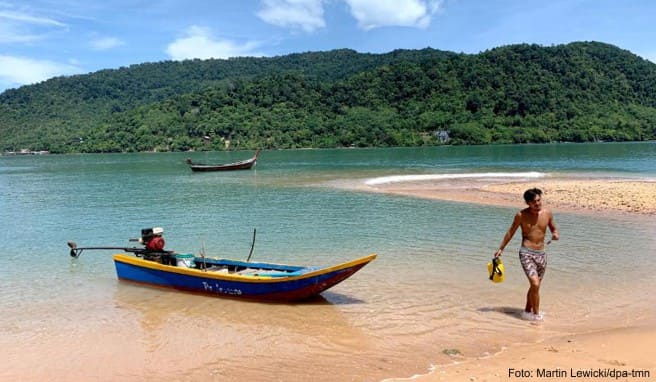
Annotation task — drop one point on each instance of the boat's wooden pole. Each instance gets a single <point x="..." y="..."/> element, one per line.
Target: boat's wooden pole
<point x="252" y="245"/>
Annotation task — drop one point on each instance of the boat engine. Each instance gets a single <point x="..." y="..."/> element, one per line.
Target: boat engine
<point x="148" y="234"/>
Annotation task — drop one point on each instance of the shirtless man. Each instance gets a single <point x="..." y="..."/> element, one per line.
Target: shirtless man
<point x="534" y="221"/>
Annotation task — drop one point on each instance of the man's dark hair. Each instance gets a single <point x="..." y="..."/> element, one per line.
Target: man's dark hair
<point x="531" y="193"/>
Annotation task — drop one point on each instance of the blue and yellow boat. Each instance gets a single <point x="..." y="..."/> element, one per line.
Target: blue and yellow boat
<point x="233" y="278"/>
<point x="153" y="265"/>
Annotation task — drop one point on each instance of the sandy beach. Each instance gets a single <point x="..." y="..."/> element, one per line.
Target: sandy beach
<point x="624" y="354"/>
<point x="614" y="355"/>
<point x="589" y="195"/>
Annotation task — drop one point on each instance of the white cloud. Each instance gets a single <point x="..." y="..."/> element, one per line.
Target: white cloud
<point x="308" y="14"/>
<point x="24" y="71"/>
<point x="106" y="43"/>
<point x="18" y="27"/>
<point x="24" y="18"/>
<point x="304" y="14"/>
<point x="382" y="13"/>
<point x="199" y="43"/>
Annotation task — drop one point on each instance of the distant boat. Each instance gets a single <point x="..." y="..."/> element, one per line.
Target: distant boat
<point x="241" y="165"/>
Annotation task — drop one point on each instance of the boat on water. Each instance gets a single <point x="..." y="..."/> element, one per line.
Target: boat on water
<point x="240" y="165"/>
<point x="234" y="278"/>
<point x="259" y="281"/>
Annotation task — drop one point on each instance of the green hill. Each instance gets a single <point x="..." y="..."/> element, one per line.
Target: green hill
<point x="583" y="91"/>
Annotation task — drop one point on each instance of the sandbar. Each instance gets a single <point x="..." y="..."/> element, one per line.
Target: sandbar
<point x="583" y="195"/>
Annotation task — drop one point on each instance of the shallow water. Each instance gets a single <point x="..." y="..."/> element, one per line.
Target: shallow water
<point x="66" y="319"/>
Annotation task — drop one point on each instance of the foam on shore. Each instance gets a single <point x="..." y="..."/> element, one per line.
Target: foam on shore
<point x="428" y="177"/>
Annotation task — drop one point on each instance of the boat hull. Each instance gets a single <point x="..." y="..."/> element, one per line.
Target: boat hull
<point x="241" y="165"/>
<point x="262" y="288"/>
<point x="226" y="167"/>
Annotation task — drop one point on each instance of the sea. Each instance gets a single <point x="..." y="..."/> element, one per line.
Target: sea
<point x="425" y="301"/>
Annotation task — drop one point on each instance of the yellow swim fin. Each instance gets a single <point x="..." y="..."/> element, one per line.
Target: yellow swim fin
<point x="496" y="271"/>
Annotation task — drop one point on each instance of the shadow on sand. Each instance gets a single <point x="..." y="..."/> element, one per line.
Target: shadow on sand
<point x="510" y="311"/>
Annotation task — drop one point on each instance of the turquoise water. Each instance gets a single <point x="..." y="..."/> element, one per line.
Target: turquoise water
<point x="427" y="290"/>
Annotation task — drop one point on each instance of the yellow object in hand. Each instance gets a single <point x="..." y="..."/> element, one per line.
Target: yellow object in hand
<point x="496" y="271"/>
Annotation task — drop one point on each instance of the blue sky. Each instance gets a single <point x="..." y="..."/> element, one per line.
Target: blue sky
<point x="40" y="39"/>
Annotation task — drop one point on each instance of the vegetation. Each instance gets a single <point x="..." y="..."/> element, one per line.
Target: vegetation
<point x="586" y="91"/>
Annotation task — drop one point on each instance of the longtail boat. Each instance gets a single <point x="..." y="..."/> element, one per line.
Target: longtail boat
<point x="258" y="281"/>
<point x="240" y="165"/>
<point x="234" y="278"/>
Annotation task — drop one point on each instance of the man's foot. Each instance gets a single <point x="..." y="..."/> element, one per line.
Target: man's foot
<point x="529" y="316"/>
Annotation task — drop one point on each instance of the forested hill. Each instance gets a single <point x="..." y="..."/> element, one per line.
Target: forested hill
<point x="584" y="91"/>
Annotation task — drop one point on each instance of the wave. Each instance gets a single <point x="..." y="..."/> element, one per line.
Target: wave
<point x="475" y="175"/>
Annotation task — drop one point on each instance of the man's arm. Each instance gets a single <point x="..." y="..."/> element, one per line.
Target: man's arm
<point x="517" y="221"/>
<point x="555" y="235"/>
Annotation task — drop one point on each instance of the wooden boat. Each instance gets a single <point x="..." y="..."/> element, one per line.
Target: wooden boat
<point x="233" y="278"/>
<point x="227" y="278"/>
<point x="241" y="165"/>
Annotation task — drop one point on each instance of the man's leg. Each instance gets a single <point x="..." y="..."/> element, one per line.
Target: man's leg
<point x="534" y="266"/>
<point x="533" y="295"/>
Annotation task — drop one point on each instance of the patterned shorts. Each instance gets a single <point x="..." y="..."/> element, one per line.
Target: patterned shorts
<point x="534" y="262"/>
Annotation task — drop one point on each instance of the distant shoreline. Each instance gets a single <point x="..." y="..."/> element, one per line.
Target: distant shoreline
<point x="581" y="195"/>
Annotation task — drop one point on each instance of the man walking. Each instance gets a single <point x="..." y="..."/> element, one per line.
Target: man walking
<point x="534" y="221"/>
